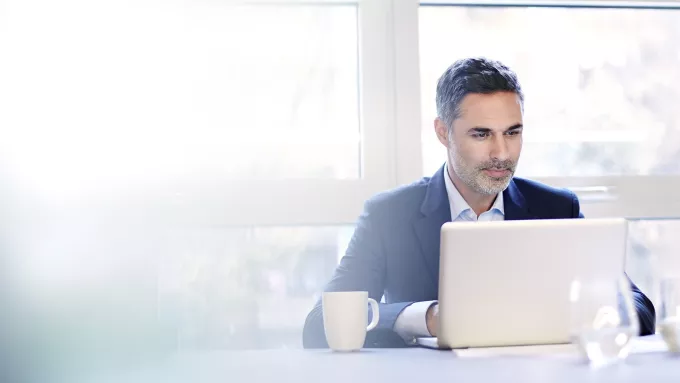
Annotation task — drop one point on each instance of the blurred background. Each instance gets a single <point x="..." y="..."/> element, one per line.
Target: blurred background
<point x="185" y="175"/>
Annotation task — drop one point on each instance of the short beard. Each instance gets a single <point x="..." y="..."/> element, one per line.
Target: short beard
<point x="475" y="178"/>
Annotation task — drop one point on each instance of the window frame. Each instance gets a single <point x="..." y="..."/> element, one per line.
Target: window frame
<point x="641" y="4"/>
<point x="276" y="202"/>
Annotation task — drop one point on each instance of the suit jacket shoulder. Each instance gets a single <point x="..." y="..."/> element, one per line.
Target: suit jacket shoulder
<point x="546" y="201"/>
<point x="400" y="202"/>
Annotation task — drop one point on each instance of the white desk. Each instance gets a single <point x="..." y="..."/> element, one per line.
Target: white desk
<point x="416" y="365"/>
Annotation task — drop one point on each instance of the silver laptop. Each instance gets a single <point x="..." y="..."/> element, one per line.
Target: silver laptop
<point x="507" y="283"/>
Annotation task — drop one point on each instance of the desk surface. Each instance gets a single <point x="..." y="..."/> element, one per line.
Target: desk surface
<point x="415" y="365"/>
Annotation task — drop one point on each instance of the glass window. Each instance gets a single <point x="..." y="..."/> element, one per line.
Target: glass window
<point x="110" y="93"/>
<point x="652" y="252"/>
<point x="247" y="288"/>
<point x="109" y="290"/>
<point x="600" y="84"/>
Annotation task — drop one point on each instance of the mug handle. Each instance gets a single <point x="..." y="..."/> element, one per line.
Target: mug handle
<point x="376" y="314"/>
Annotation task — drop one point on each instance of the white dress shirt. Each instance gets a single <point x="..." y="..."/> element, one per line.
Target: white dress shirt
<point x="411" y="323"/>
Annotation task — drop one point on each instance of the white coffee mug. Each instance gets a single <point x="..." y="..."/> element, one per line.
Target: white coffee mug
<point x="344" y="318"/>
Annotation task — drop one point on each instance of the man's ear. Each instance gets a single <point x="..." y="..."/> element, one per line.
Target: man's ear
<point x="442" y="131"/>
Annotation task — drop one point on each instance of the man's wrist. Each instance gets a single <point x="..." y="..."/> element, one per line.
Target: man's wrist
<point x="411" y="323"/>
<point x="431" y="317"/>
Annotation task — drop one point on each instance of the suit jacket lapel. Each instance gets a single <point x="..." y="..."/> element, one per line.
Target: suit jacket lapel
<point x="515" y="205"/>
<point x="435" y="211"/>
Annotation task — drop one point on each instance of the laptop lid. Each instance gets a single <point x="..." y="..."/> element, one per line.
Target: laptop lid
<point x="507" y="283"/>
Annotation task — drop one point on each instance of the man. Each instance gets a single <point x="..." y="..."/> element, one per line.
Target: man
<point x="395" y="248"/>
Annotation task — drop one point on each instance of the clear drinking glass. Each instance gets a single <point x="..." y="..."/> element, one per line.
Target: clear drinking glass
<point x="669" y="312"/>
<point x="603" y="318"/>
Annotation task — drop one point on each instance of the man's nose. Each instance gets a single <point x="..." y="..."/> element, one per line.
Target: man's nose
<point x="499" y="148"/>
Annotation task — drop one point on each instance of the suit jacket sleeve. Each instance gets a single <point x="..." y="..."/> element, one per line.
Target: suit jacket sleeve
<point x="645" y="311"/>
<point x="361" y="269"/>
<point x="643" y="306"/>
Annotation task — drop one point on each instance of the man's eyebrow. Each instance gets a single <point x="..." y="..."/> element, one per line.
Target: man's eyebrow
<point x="479" y="129"/>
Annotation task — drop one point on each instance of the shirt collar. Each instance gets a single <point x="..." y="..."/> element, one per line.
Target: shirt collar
<point x="457" y="202"/>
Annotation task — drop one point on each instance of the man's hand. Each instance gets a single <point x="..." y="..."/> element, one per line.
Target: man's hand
<point x="432" y="319"/>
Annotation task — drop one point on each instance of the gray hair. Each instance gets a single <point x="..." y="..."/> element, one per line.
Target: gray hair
<point x="472" y="75"/>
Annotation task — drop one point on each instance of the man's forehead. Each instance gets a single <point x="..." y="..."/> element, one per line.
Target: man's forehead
<point x="491" y="108"/>
<point x="497" y="101"/>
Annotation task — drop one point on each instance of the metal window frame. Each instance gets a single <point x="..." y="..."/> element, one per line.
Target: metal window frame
<point x="312" y="201"/>
<point x="645" y="4"/>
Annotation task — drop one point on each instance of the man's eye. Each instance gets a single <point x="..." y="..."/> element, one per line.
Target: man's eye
<point x="513" y="133"/>
<point x="480" y="135"/>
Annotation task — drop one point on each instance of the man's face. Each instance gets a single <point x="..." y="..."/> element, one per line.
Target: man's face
<point x="486" y="140"/>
